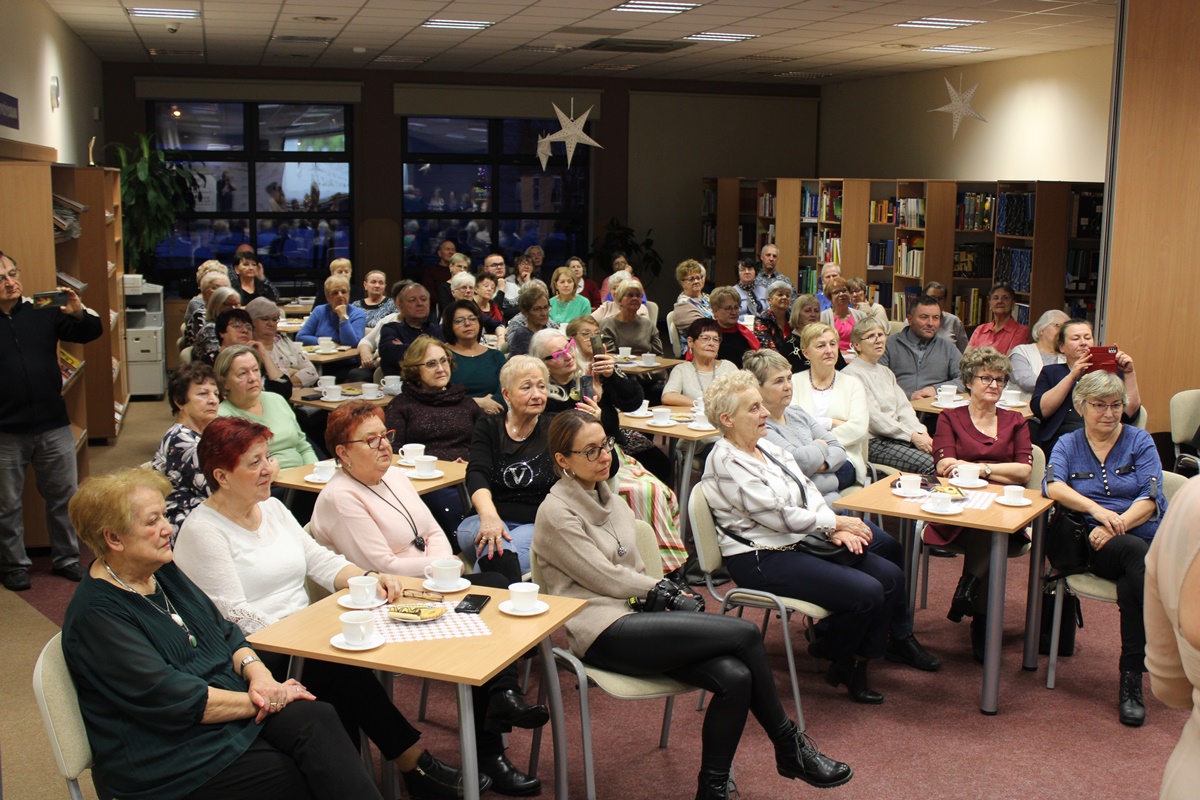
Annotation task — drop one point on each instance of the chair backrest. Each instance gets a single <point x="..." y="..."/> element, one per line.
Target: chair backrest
<point x="1172" y="483"/>
<point x="673" y="335"/>
<point x="1038" y="471"/>
<point x="378" y="376"/>
<point x="895" y="326"/>
<point x="315" y="590"/>
<point x="185" y="355"/>
<point x="1142" y="419"/>
<point x="59" y="706"/>
<point x="704" y="531"/>
<point x="644" y="540"/>
<point x="1185" y="415"/>
<point x="652" y="310"/>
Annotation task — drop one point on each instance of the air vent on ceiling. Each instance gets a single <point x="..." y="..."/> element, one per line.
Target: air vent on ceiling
<point x="635" y="46"/>
<point x="301" y="39"/>
<point x="539" y="48"/>
<point x="315" y="19"/>
<point x="612" y="67"/>
<point x="402" y="59"/>
<point x="766" y="59"/>
<point x="807" y="75"/>
<point x="155" y="51"/>
<point x="583" y="30"/>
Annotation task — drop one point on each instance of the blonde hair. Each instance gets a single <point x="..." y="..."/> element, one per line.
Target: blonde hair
<point x="336" y="282"/>
<point x="559" y="274"/>
<point x="105" y="503"/>
<point x="340" y="263"/>
<point x="977" y="359"/>
<point x="626" y="287"/>
<point x="212" y="265"/>
<point x="813" y="330"/>
<point x="518" y="366"/>
<point x="800" y="303"/>
<point x="1097" y="386"/>
<point x="721" y="397"/>
<point x="688" y="268"/>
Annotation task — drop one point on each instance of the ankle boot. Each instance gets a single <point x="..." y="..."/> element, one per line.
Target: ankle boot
<point x="796" y="756"/>
<point x="433" y="780"/>
<point x="1131" y="707"/>
<point x="963" y="604"/>
<point x="715" y="785"/>
<point x="853" y="673"/>
<point x="978" y="636"/>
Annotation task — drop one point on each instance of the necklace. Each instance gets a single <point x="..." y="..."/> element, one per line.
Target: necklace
<point x="418" y="539"/>
<point x="621" y="549"/>
<point x="817" y="388"/>
<point x="515" y="432"/>
<point x="170" y="610"/>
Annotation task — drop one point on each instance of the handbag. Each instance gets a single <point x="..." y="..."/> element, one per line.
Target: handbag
<point x="1067" y="532"/>
<point x="1072" y="618"/>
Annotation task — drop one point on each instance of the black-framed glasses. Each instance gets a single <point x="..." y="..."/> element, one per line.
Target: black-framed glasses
<point x="988" y="380"/>
<point x="592" y="453"/>
<point x="461" y="322"/>
<point x="375" y="441"/>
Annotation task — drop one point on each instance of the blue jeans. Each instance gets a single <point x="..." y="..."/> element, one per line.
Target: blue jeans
<point x="521" y="533"/>
<point x="52" y="456"/>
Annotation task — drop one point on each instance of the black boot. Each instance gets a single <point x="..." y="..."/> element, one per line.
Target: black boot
<point x="963" y="604"/>
<point x="909" y="651"/>
<point x="433" y="780"/>
<point x="796" y="756"/>
<point x="506" y="778"/>
<point x="507" y="709"/>
<point x="715" y="785"/>
<point x="978" y="636"/>
<point x="1131" y="706"/>
<point x="853" y="673"/>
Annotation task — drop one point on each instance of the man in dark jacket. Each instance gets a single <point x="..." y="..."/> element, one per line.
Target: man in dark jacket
<point x="34" y="427"/>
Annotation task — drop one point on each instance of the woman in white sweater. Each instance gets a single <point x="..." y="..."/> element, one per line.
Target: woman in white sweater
<point x="898" y="439"/>
<point x="688" y="380"/>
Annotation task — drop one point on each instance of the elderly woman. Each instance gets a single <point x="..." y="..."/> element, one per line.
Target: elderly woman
<point x="194" y="397"/>
<point x="858" y="299"/>
<point x="485" y="293"/>
<point x="692" y="303"/>
<point x="1051" y="393"/>
<point x="580" y="332"/>
<point x="210" y="276"/>
<point x="370" y="512"/>
<point x="1002" y="332"/>
<point x="335" y="318"/>
<point x="736" y="338"/>
<point x="628" y="328"/>
<point x="534" y="303"/>
<point x="763" y="505"/>
<point x="841" y="316"/>
<point x="207" y="342"/>
<point x="751" y="293"/>
<point x="997" y="440"/>
<point x="239" y="374"/>
<point x="462" y="287"/>
<point x="1110" y="473"/>
<point x="175" y="703"/>
<point x="375" y="303"/>
<point x="460" y="263"/>
<point x="805" y="311"/>
<point x="341" y="268"/>
<point x="584" y="286"/>
<point x="276" y="348"/>
<point x="475" y="366"/>
<point x="585" y="549"/>
<point x="509" y="470"/>
<point x="618" y="262"/>
<point x="687" y="381"/>
<point x="1028" y="359"/>
<point x="773" y="326"/>
<point x="837" y="401"/>
<point x="522" y="273"/>
<point x="567" y="303"/>
<point x="610" y="307"/>
<point x="246" y="551"/>
<point x="898" y="439"/>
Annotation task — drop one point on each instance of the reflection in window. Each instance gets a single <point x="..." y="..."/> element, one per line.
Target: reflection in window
<point x="529" y="190"/>
<point x="194" y="241"/>
<point x="447" y="188"/>
<point x="443" y="135"/>
<point x="471" y="235"/>
<point x="302" y="243"/>
<point x="302" y="128"/>
<point x="224" y="186"/>
<point x="302" y="186"/>
<point x="215" y="127"/>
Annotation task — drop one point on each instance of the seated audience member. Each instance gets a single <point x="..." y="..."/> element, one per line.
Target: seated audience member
<point x="687" y="381"/>
<point x="522" y="273"/>
<point x="841" y="315"/>
<point x="209" y="276"/>
<point x="1051" y="402"/>
<point x="627" y="328"/>
<point x="837" y="401"/>
<point x="207" y="342"/>
<point x="1028" y="359"/>
<point x="247" y="552"/>
<point x="898" y="439"/>
<point x="567" y="303"/>
<point x="951" y="326"/>
<point x="462" y="287"/>
<point x="580" y="556"/>
<point x="489" y="305"/>
<point x="858" y="300"/>
<point x="475" y="366"/>
<point x="1110" y="472"/>
<point x="772" y="326"/>
<point x="249" y="285"/>
<point x="609" y="307"/>
<point x="239" y="374"/>
<point x="459" y="263"/>
<point x="194" y="397"/>
<point x="618" y="262"/>
<point x="1002" y="331"/>
<point x="919" y="358"/>
<point x="768" y="258"/>
<point x="580" y="331"/>
<point x="997" y="440"/>
<point x="828" y="272"/>
<point x="692" y="303"/>
<point x="534" y="303"/>
<point x="344" y="323"/>
<point x="762" y="503"/>
<point x="375" y="303"/>
<point x="177" y="705"/>
<point x="341" y="268"/>
<point x="751" y="294"/>
<point x="277" y="349"/>
<point x="415" y="320"/>
<point x="236" y="327"/>
<point x="368" y="345"/>
<point x="584" y="286"/>
<point x="805" y="311"/>
<point x="736" y="338"/>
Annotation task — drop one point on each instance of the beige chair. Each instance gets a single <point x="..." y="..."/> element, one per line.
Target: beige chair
<point x="1185" y="418"/>
<point x="59" y="706"/>
<point x="1142" y="419"/>
<point x="896" y="325"/>
<point x="652" y="311"/>
<point x="1093" y="587"/>
<point x="673" y="335"/>
<point x="614" y="684"/>
<point x="185" y="355"/>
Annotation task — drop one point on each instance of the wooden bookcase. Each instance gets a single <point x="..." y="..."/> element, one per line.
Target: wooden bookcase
<point x="924" y="238"/>
<point x="1083" y="250"/>
<point x="1043" y="288"/>
<point x="974" y="250"/>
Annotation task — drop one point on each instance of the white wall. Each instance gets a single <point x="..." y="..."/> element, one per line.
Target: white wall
<point x="1047" y="118"/>
<point x="36" y="45"/>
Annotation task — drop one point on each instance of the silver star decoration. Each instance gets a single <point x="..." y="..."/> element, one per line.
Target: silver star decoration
<point x="960" y="104"/>
<point x="571" y="134"/>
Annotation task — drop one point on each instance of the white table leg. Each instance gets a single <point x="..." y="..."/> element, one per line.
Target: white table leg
<point x="558" y="729"/>
<point x="466" y="741"/>
<point x="997" y="573"/>
<point x="1033" y="604"/>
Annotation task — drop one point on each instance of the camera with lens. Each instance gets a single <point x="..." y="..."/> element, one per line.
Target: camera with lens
<point x="668" y="596"/>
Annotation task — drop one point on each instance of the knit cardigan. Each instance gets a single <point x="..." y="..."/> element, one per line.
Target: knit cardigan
<point x="891" y="413"/>
<point x="849" y="402"/>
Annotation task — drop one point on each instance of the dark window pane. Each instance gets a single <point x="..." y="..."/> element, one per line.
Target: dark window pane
<point x="302" y="128"/>
<point x="447" y="135"/>
<point x="215" y="127"/>
<point x="302" y="186"/>
<point x="306" y="243"/>
<point x="195" y="241"/>
<point x="528" y="190"/>
<point x="422" y="236"/>
<point x="224" y="186"/>
<point x="558" y="238"/>
<point x="447" y="188"/>
<point x="521" y="138"/>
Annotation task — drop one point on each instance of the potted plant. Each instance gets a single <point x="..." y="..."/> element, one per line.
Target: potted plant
<point x="153" y="193"/>
<point x="619" y="236"/>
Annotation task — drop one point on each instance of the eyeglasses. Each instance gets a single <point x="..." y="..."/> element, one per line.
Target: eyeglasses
<point x="709" y="337"/>
<point x="836" y="292"/>
<point x="1100" y="408"/>
<point x="693" y="278"/>
<point x="729" y="308"/>
<point x="374" y="442"/>
<point x="435" y="363"/>
<point x="561" y="355"/>
<point x="875" y="337"/>
<point x="592" y="453"/>
<point x="540" y="309"/>
<point x="462" y="322"/>
<point x="270" y="319"/>
<point x="239" y="326"/>
<point x="632" y="293"/>
<point x="987" y="380"/>
<point x="13" y="275"/>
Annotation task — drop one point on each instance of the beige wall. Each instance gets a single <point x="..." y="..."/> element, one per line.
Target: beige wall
<point x="675" y="140"/>
<point x="1047" y="119"/>
<point x="37" y="45"/>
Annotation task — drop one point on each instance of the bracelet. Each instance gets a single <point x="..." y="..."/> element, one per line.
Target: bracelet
<point x="368" y="573"/>
<point x="247" y="661"/>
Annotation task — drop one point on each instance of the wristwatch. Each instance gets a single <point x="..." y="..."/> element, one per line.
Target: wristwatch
<point x="987" y="470"/>
<point x="250" y="659"/>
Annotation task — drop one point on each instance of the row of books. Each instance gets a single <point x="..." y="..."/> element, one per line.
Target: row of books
<point x="881" y="253"/>
<point x="765" y="237"/>
<point x="969" y="306"/>
<point x="68" y="365"/>
<point x="831" y="205"/>
<point x="766" y="205"/>
<point x="708" y="202"/>
<point x="974" y="260"/>
<point x="1014" y="214"/>
<point x="708" y="234"/>
<point x="807" y="281"/>
<point x="829" y="247"/>
<point x="902" y="300"/>
<point x="880" y="292"/>
<point x="1083" y="270"/>
<point x="910" y="212"/>
<point x="975" y="211"/>
<point x="1014" y="265"/>
<point x="1087" y="214"/>
<point x="910" y="256"/>
<point x="1080" y="308"/>
<point x="808" y="241"/>
<point x="1021" y="313"/>
<point x="118" y="412"/>
<point x="746" y="236"/>
<point x="883" y="212"/>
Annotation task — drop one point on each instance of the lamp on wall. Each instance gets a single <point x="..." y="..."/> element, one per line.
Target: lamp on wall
<point x="54" y="92"/>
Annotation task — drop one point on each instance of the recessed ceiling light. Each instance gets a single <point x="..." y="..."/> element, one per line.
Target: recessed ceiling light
<point x="158" y="51"/>
<point x="651" y="7"/>
<point x="538" y="48"/>
<point x="315" y="19"/>
<point x="612" y="67"/>
<point x="709" y="36"/>
<point x="938" y="23"/>
<point x="301" y="39"/>
<point x="803" y="74"/>
<point x="402" y="59"/>
<point x="457" y="24"/>
<point x="899" y="46"/>
<point x="765" y="59"/>
<point x="955" y="48"/>
<point x="164" y="13"/>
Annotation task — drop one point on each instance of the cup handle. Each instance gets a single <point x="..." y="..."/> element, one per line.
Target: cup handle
<point x="429" y="572"/>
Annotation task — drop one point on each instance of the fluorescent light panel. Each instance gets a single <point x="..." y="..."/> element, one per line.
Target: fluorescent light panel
<point x="164" y="13"/>
<point x="803" y="74"/>
<point x="651" y="7"/>
<point x="612" y="67"/>
<point x="457" y="24"/>
<point x="955" y="48"/>
<point x="709" y="36"/>
<point x="403" y="60"/>
<point x="938" y="23"/>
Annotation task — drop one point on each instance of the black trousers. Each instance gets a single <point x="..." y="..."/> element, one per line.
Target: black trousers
<point x="1123" y="559"/>
<point x="720" y="654"/>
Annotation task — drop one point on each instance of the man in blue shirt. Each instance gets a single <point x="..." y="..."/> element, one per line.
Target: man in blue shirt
<point x="396" y="336"/>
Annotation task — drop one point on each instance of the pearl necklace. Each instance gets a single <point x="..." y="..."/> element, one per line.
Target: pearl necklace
<point x="814" y="386"/>
<point x="170" y="610"/>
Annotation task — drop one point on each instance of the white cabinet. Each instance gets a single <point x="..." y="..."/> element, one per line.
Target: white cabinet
<point x="144" y="353"/>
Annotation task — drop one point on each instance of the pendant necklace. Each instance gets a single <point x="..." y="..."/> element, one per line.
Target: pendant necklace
<point x="170" y="611"/>
<point x="418" y="539"/>
<point x="621" y="549"/>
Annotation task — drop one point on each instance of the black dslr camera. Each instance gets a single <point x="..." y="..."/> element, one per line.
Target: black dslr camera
<point x="668" y="596"/>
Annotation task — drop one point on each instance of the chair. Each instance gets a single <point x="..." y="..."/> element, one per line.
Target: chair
<point x="896" y="325"/>
<point x="59" y="706"/>
<point x="614" y="684"/>
<point x="673" y="335"/>
<point x="1093" y="587"/>
<point x="185" y="355"/>
<point x="1142" y="419"/>
<point x="708" y="553"/>
<point x="1185" y="420"/>
<point x="652" y="310"/>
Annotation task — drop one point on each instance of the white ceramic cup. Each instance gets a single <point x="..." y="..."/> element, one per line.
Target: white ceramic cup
<point x="940" y="501"/>
<point x="325" y="344"/>
<point x="661" y="415"/>
<point x="1010" y="396"/>
<point x="1014" y="494"/>
<point x="644" y="407"/>
<point x="411" y="451"/>
<point x="426" y="465"/>
<point x="323" y="470"/>
<point x="946" y="397"/>
<point x="391" y="381"/>
<point x="364" y="589"/>
<point x="698" y="405"/>
<point x="649" y="359"/>
<point x="357" y="627"/>
<point x="370" y="391"/>
<point x="326" y="380"/>
<point x="444" y="573"/>
<point x="748" y="320"/>
<point x="910" y="483"/>
<point x="523" y="596"/>
<point x="967" y="473"/>
<point x="331" y="392"/>
<point x="625" y="352"/>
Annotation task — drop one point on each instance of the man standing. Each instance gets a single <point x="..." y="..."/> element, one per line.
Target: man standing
<point x="439" y="273"/>
<point x="952" y="327"/>
<point x="768" y="260"/>
<point x="752" y="294"/>
<point x="920" y="359"/>
<point x="828" y="271"/>
<point x="34" y="427"/>
<point x="396" y="336"/>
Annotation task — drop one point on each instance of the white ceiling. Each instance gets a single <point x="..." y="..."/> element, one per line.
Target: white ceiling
<point x="848" y="39"/>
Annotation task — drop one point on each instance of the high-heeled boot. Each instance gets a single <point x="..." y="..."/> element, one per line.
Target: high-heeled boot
<point x="853" y="673"/>
<point x="963" y="604"/>
<point x="978" y="636"/>
<point x="715" y="785"/>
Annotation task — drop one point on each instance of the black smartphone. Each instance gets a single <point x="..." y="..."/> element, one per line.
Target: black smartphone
<point x="597" y="345"/>
<point x="472" y="603"/>
<point x="50" y="300"/>
<point x="315" y="396"/>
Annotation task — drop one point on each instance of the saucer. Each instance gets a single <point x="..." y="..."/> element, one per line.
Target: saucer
<point x="340" y="643"/>
<point x="965" y="484"/>
<point x="705" y="427"/>
<point x="334" y="399"/>
<point x="379" y="396"/>
<point x="908" y="492"/>
<point x="1024" y="501"/>
<point x="1011" y="405"/>
<point x="315" y="479"/>
<point x="668" y="424"/>
<point x="406" y="462"/>
<point x="462" y="584"/>
<point x="538" y="608"/>
<point x="948" y="512"/>
<point x="413" y="476"/>
<point x="640" y="363"/>
<point x="345" y="602"/>
<point x="952" y="404"/>
<point x="639" y="414"/>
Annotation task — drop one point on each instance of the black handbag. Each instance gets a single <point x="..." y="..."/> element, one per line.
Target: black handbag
<point x="1066" y="537"/>
<point x="1072" y="618"/>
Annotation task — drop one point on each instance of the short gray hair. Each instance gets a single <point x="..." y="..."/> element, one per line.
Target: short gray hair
<point x="761" y="363"/>
<point x="212" y="275"/>
<point x="775" y="286"/>
<point x="530" y="293"/>
<point x="537" y="345"/>
<point x="721" y="397"/>
<point x="224" y="361"/>
<point x="519" y="366"/>
<point x="863" y="327"/>
<point x="1097" y="386"/>
<point x="1045" y="320"/>
<point x="462" y="279"/>
<point x="217" y="300"/>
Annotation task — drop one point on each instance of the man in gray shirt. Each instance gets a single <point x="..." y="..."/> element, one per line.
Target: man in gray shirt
<point x="952" y="327"/>
<point x="920" y="359"/>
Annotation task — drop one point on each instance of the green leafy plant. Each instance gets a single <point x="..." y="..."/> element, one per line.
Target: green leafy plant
<point x="153" y="194"/>
<point x="619" y="236"/>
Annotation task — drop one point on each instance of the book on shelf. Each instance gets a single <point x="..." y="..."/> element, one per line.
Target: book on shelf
<point x="881" y="253"/>
<point x="968" y="307"/>
<point x="881" y="292"/>
<point x="766" y="236"/>
<point x="1014" y="266"/>
<point x="829" y="247"/>
<point x="766" y="204"/>
<point x="975" y="211"/>
<point x="1083" y="271"/>
<point x="68" y="365"/>
<point x="1021" y="313"/>
<point x="1080" y="308"/>
<point x="902" y="301"/>
<point x="1087" y="214"/>
<point x="708" y="201"/>
<point x="974" y="260"/>
<point x="1014" y="214"/>
<point x="70" y="280"/>
<point x="116" y="366"/>
<point x="809" y="203"/>
<point x="910" y="212"/>
<point x="806" y="282"/>
<point x="831" y="204"/>
<point x="883" y="212"/>
<point x="808" y="242"/>
<point x="910" y="255"/>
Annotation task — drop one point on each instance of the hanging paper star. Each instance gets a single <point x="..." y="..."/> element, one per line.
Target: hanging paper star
<point x="959" y="105"/>
<point x="571" y="134"/>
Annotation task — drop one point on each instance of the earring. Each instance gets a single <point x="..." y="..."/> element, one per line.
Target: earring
<point x="568" y="473"/>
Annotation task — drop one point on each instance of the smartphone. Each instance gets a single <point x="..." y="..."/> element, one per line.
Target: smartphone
<point x="314" y="396"/>
<point x="1104" y="357"/>
<point x="50" y="300"/>
<point x="472" y="603"/>
<point x="597" y="345"/>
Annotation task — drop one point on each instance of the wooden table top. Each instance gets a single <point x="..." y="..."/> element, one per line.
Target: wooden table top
<point x="635" y="367"/>
<point x="926" y="405"/>
<point x="454" y="473"/>
<point x="300" y="392"/>
<point x="343" y="353"/>
<point x="878" y="499"/>
<point x="471" y="660"/>
<point x="291" y="325"/>
<point x="678" y="430"/>
<point x="296" y="309"/>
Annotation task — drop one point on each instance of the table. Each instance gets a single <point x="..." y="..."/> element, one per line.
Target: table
<point x="465" y="662"/>
<point x="300" y="392"/>
<point x="636" y="367"/>
<point x="295" y="309"/>
<point x="688" y="438"/>
<point x="291" y="325"/>
<point x="925" y="406"/>
<point x="1002" y="522"/>
<point x="343" y="353"/>
<point x="455" y="476"/>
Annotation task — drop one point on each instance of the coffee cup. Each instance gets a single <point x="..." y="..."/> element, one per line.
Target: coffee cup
<point x="1011" y="396"/>
<point x="967" y="473"/>
<point x="370" y="391"/>
<point x="326" y="380"/>
<point x="331" y="392"/>
<point x="649" y="359"/>
<point x="1014" y="494"/>
<point x="661" y="415"/>
<point x="364" y="589"/>
<point x="357" y="627"/>
<point x="323" y="470"/>
<point x="940" y="501"/>
<point x="625" y="352"/>
<point x="698" y="405"/>
<point x="444" y="573"/>
<point x="644" y="408"/>
<point x="391" y="384"/>
<point x="412" y="450"/>
<point x="910" y="483"/>
<point x="523" y="596"/>
<point x="426" y="466"/>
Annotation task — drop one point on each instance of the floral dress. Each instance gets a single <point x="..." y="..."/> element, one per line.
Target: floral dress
<point x="176" y="458"/>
